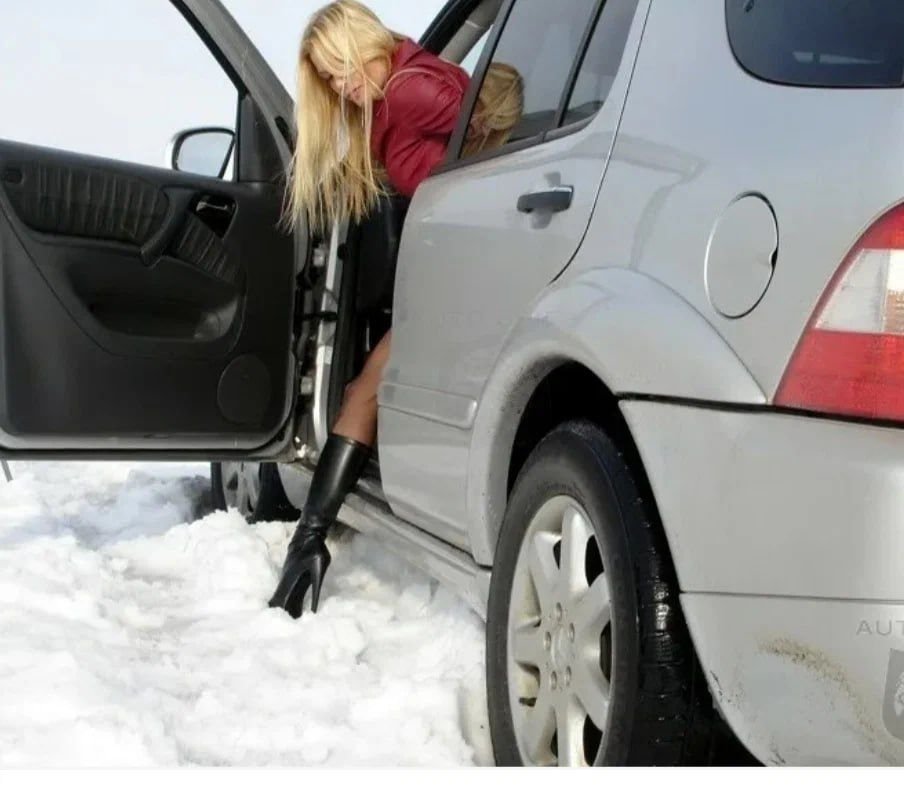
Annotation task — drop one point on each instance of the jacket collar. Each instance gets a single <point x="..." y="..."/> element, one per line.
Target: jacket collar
<point x="404" y="53"/>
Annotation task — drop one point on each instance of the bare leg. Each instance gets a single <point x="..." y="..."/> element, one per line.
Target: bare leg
<point x="337" y="471"/>
<point x="358" y="416"/>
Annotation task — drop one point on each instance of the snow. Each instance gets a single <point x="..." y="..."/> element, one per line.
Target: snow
<point x="135" y="632"/>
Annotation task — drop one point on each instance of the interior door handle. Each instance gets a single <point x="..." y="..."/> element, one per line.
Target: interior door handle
<point x="553" y="200"/>
<point x="207" y="203"/>
<point x="155" y="247"/>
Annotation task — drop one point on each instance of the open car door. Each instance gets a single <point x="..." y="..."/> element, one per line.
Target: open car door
<point x="147" y="312"/>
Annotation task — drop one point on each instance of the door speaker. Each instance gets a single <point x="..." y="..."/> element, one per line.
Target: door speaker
<point x="244" y="390"/>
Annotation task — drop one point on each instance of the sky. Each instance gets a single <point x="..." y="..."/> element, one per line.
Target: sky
<point x="117" y="79"/>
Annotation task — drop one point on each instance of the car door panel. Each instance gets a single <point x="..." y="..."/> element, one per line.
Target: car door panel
<point x="147" y="312"/>
<point x="494" y="258"/>
<point x="470" y="265"/>
<point x="127" y="317"/>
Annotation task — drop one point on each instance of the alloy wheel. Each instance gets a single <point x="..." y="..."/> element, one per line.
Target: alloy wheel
<point x="560" y="652"/>
<point x="242" y="486"/>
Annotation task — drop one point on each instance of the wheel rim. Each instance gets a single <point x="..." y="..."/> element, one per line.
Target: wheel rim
<point x="559" y="653"/>
<point x="241" y="486"/>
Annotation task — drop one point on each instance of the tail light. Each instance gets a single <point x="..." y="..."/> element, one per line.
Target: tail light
<point x="850" y="359"/>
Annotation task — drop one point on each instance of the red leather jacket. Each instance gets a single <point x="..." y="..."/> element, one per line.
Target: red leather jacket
<point x="414" y="120"/>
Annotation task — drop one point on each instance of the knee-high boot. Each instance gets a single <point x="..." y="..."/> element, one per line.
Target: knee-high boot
<point x="307" y="559"/>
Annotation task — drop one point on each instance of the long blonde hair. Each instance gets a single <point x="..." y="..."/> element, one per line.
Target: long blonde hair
<point x="334" y="176"/>
<point x="499" y="108"/>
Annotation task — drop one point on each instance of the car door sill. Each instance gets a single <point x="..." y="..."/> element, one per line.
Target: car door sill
<point x="365" y="510"/>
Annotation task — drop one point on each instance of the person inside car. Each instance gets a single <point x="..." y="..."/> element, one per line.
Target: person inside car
<point x="374" y="109"/>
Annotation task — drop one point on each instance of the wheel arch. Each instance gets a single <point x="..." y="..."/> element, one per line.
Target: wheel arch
<point x="570" y="391"/>
<point x="588" y="342"/>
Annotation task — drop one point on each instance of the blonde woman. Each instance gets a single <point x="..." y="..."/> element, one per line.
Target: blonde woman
<point x="374" y="108"/>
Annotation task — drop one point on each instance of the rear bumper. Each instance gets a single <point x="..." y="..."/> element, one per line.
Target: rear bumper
<point x="774" y="504"/>
<point x="805" y="682"/>
<point x="787" y="535"/>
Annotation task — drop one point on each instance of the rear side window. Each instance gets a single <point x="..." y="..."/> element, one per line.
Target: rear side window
<point x="523" y="86"/>
<point x="820" y="43"/>
<point x="601" y="60"/>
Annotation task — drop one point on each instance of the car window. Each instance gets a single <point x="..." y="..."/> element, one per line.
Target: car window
<point x="601" y="60"/>
<point x="522" y="89"/>
<point x="820" y="43"/>
<point x="109" y="78"/>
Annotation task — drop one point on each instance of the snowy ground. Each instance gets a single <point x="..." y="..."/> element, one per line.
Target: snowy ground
<point x="131" y="637"/>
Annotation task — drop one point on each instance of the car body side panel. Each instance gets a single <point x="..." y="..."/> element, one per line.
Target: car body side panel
<point x="470" y="265"/>
<point x="805" y="682"/>
<point x="698" y="132"/>
<point x="421" y="447"/>
<point x="606" y="319"/>
<point x="772" y="503"/>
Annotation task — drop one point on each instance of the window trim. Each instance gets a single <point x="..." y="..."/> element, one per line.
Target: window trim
<point x="578" y="124"/>
<point x="453" y="160"/>
<point x="446" y="23"/>
<point x="572" y="128"/>
<point x="578" y="64"/>
<point x="238" y="165"/>
<point x="185" y="12"/>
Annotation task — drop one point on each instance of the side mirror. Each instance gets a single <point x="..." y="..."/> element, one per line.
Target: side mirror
<point x="204" y="151"/>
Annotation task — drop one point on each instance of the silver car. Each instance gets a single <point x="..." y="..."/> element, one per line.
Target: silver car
<point x="644" y="403"/>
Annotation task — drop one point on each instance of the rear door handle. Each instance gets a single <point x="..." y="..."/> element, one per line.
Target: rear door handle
<point x="553" y="200"/>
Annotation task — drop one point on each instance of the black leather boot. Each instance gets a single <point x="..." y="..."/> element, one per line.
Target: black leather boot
<point x="307" y="559"/>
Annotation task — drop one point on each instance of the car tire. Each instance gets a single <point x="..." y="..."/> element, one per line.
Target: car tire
<point x="255" y="489"/>
<point x="584" y="595"/>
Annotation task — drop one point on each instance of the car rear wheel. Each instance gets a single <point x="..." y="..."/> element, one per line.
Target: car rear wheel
<point x="254" y="489"/>
<point x="589" y="661"/>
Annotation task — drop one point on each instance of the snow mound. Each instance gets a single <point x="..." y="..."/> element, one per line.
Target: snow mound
<point x="132" y="637"/>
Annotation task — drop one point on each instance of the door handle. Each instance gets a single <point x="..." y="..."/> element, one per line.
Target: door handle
<point x="156" y="246"/>
<point x="208" y="203"/>
<point x="216" y="213"/>
<point x="553" y="200"/>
